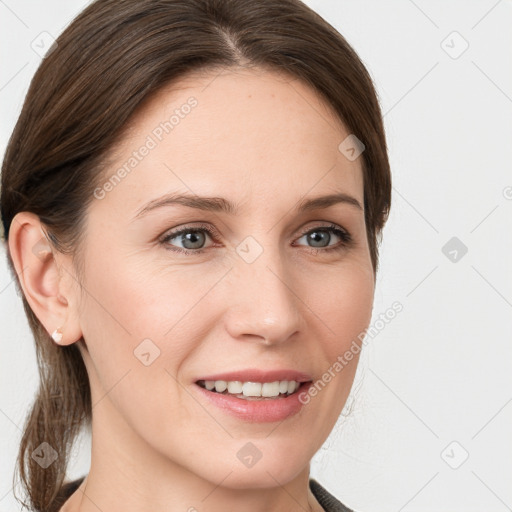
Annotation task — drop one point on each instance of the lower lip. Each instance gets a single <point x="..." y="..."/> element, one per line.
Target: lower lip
<point x="261" y="411"/>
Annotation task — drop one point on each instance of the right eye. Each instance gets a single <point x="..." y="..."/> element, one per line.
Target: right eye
<point x="192" y="239"/>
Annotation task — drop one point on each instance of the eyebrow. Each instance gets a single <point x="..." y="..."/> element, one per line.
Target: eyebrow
<point x="222" y="205"/>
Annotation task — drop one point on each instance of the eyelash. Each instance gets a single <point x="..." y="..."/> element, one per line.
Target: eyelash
<point x="346" y="238"/>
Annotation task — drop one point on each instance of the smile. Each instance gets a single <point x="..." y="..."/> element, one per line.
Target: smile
<point x="251" y="390"/>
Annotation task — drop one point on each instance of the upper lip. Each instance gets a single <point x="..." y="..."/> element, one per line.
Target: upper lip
<point x="255" y="375"/>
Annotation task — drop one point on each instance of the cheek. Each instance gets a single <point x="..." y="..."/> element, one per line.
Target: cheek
<point x="344" y="310"/>
<point x="351" y="313"/>
<point x="126" y="316"/>
<point x="141" y="321"/>
<point x="135" y="299"/>
<point x="342" y="303"/>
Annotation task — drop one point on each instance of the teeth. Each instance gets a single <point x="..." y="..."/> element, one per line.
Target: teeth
<point x="220" y="385"/>
<point x="252" y="389"/>
<point x="292" y="386"/>
<point x="270" y="388"/>
<point x="234" y="387"/>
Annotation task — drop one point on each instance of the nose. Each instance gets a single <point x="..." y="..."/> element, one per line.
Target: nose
<point x="262" y="304"/>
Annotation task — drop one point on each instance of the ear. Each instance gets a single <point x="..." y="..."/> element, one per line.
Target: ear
<point x="46" y="277"/>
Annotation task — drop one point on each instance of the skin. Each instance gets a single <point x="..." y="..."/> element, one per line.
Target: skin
<point x="265" y="141"/>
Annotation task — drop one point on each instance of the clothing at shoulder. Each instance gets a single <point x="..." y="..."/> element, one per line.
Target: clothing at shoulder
<point x="65" y="492"/>
<point x="328" y="502"/>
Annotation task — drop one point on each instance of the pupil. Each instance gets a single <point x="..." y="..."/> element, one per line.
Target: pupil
<point x="192" y="237"/>
<point x="314" y="236"/>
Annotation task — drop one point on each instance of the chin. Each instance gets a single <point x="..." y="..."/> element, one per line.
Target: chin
<point x="259" y="477"/>
<point x="279" y="467"/>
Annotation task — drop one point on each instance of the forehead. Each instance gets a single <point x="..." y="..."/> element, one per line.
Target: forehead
<point x="247" y="133"/>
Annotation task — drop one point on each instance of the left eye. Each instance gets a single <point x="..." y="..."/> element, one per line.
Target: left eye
<point x="193" y="239"/>
<point x="324" y="234"/>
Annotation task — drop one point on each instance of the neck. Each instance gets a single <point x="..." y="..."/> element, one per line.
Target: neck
<point x="129" y="475"/>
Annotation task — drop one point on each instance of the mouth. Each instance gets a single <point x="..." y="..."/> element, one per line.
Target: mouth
<point x="255" y="395"/>
<point x="250" y="390"/>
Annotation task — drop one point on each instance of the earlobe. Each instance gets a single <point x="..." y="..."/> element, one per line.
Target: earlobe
<point x="44" y="288"/>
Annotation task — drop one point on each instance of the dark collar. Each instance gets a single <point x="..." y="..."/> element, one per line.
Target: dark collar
<point x="328" y="502"/>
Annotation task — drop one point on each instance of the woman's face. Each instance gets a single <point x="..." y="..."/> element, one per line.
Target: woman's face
<point x="263" y="286"/>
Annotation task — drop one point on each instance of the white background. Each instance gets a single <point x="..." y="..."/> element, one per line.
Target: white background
<point x="441" y="370"/>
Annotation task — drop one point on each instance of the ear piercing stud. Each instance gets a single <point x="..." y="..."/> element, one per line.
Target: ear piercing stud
<point x="57" y="335"/>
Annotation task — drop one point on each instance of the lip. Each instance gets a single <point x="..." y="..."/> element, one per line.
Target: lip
<point x="256" y="411"/>
<point x="256" y="375"/>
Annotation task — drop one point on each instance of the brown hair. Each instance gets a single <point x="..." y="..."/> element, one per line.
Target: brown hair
<point x="115" y="55"/>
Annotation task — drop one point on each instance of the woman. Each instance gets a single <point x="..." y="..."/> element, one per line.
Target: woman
<point x="192" y="200"/>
